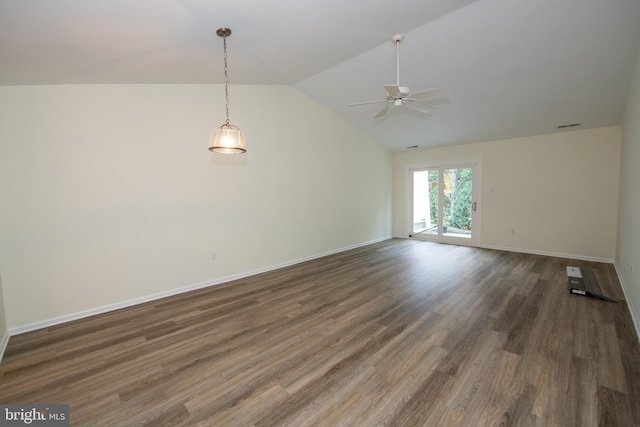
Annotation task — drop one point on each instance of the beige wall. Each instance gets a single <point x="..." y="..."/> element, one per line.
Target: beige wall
<point x="628" y="254"/>
<point x="4" y="331"/>
<point x="110" y="195"/>
<point x="559" y="192"/>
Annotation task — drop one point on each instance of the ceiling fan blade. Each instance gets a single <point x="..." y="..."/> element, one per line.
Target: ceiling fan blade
<point x="393" y="91"/>
<point x="419" y="107"/>
<point x="431" y="93"/>
<point x="383" y="112"/>
<point x="368" y="102"/>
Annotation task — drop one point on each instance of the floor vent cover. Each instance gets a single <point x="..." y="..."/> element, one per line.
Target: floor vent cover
<point x="584" y="282"/>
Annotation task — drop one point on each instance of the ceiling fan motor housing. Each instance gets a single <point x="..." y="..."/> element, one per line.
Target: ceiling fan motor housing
<point x="396" y="92"/>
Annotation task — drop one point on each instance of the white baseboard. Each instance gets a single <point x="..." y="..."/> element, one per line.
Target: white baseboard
<point x="3" y="344"/>
<point x="553" y="254"/>
<point x="634" y="314"/>
<point x="111" y="307"/>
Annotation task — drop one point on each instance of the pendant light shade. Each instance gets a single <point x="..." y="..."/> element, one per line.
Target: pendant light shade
<point x="227" y="139"/>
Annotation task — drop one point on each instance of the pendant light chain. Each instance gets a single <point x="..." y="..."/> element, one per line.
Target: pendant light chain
<point x="226" y="78"/>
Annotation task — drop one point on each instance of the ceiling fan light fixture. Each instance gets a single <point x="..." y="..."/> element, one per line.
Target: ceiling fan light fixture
<point x="227" y="139"/>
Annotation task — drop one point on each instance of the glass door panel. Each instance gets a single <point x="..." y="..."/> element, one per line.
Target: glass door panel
<point x="443" y="204"/>
<point x="457" y="202"/>
<point x="425" y="201"/>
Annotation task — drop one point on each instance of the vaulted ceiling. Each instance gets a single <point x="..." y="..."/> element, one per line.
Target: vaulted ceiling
<point x="513" y="67"/>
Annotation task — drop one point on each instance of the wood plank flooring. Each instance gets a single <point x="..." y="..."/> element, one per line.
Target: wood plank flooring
<point x="399" y="333"/>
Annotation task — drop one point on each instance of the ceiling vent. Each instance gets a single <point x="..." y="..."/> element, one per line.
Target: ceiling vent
<point x="570" y="125"/>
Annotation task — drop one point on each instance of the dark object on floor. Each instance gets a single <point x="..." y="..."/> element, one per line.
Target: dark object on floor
<point x="584" y="282"/>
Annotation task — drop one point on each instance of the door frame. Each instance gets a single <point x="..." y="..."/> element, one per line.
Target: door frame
<point x="476" y="164"/>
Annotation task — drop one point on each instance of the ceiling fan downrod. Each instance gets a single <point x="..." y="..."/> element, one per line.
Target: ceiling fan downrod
<point x="397" y="39"/>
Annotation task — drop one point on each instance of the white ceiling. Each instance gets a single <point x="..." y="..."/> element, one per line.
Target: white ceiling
<point x="514" y="67"/>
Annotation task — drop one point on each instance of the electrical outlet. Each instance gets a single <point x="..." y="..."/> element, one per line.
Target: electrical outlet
<point x="214" y="256"/>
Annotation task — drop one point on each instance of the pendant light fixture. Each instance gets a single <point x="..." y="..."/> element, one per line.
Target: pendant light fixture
<point x="227" y="139"/>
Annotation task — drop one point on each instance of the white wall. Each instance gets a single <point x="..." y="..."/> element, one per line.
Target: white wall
<point x="628" y="254"/>
<point x="559" y="192"/>
<point x="109" y="193"/>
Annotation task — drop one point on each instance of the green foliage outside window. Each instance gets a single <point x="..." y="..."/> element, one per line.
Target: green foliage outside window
<point x="457" y="197"/>
<point x="460" y="215"/>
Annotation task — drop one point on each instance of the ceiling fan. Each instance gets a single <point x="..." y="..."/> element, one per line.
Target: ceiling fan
<point x="398" y="96"/>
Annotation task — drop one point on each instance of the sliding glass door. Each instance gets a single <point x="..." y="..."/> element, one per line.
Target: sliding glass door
<point x="444" y="205"/>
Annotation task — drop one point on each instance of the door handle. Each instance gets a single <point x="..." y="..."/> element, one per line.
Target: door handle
<point x="473" y="206"/>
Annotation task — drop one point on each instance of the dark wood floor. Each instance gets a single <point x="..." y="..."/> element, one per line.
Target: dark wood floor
<point x="400" y="333"/>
